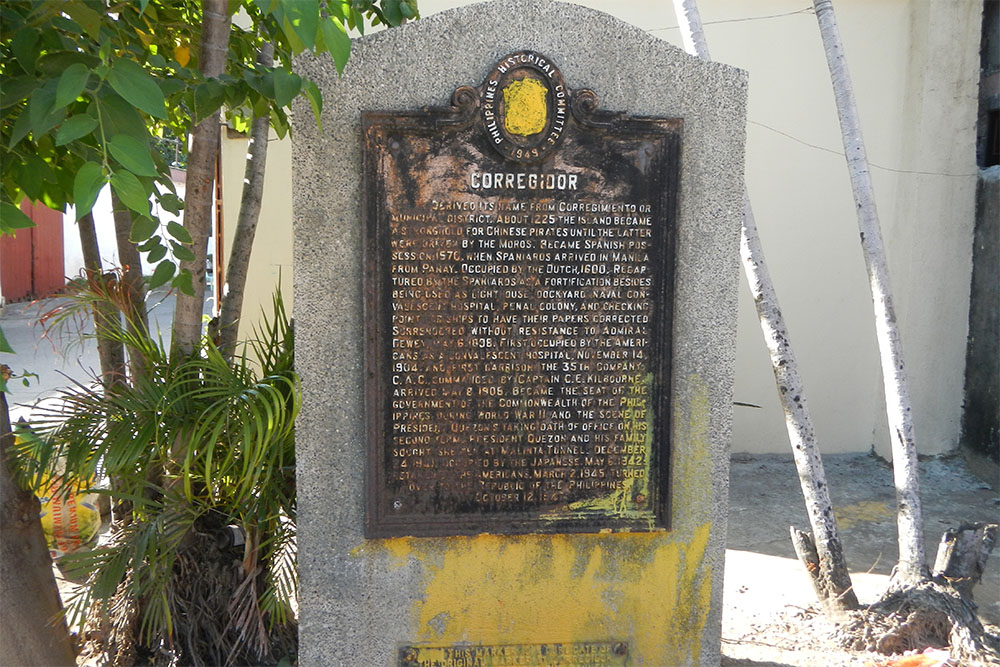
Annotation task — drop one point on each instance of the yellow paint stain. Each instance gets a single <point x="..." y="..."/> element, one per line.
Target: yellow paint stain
<point x="643" y="588"/>
<point x="524" y="101"/>
<point x="866" y="511"/>
<point x="652" y="590"/>
<point x="692" y="459"/>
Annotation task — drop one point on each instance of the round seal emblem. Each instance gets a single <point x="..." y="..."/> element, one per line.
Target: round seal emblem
<point x="525" y="106"/>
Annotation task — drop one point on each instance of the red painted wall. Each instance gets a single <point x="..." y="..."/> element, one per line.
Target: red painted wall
<point x="31" y="263"/>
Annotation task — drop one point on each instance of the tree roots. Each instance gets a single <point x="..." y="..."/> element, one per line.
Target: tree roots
<point x="928" y="614"/>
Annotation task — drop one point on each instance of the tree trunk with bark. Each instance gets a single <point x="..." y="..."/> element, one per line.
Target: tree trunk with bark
<point x="109" y="351"/>
<point x="246" y="226"/>
<point x="821" y="552"/>
<point x="200" y="180"/>
<point x="912" y="567"/>
<point x="32" y="631"/>
<point x="134" y="292"/>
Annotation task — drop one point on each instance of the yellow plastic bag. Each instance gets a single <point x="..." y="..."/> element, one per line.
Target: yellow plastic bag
<point x="70" y="517"/>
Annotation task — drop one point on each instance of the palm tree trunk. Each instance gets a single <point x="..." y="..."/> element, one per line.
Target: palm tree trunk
<point x="822" y="554"/>
<point x="246" y="226"/>
<point x="200" y="180"/>
<point x="109" y="351"/>
<point x="911" y="567"/>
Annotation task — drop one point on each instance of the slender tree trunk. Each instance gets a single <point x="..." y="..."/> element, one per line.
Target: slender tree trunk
<point x="109" y="351"/>
<point x="824" y="559"/>
<point x="200" y="179"/>
<point x="32" y="631"/>
<point x="134" y="306"/>
<point x="246" y="226"/>
<point x="912" y="566"/>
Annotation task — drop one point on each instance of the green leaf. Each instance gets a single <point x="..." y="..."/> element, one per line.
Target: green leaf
<point x="149" y="244"/>
<point x="4" y="346"/>
<point x="120" y="117"/>
<point x="132" y="155"/>
<point x="184" y="283"/>
<point x="71" y="84"/>
<point x="208" y="97"/>
<point x="24" y="46"/>
<point x="303" y="15"/>
<point x="266" y="7"/>
<point x="131" y="191"/>
<point x="177" y="230"/>
<point x="32" y="173"/>
<point x="311" y="91"/>
<point x="75" y="127"/>
<point x="171" y="203"/>
<point x="337" y="42"/>
<point x="157" y="253"/>
<point x="12" y="218"/>
<point x="42" y="111"/>
<point x="391" y="12"/>
<point x="163" y="272"/>
<point x="142" y="229"/>
<point x="15" y="90"/>
<point x="182" y="253"/>
<point x="86" y="17"/>
<point x="21" y="128"/>
<point x="137" y="86"/>
<point x="289" y="31"/>
<point x="54" y="63"/>
<point x="286" y="87"/>
<point x="86" y="186"/>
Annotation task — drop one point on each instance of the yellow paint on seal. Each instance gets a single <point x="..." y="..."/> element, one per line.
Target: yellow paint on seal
<point x="526" y="109"/>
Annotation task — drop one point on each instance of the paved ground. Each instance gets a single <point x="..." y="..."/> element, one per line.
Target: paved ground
<point x="58" y="357"/>
<point x="765" y="586"/>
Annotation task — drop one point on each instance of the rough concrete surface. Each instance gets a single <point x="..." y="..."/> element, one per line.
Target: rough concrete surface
<point x="361" y="598"/>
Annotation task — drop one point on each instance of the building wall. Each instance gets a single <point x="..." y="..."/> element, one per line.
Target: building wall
<point x="915" y="70"/>
<point x="271" y="257"/>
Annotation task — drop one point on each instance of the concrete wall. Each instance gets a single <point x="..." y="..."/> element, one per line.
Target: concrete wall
<point x="915" y="69"/>
<point x="659" y="591"/>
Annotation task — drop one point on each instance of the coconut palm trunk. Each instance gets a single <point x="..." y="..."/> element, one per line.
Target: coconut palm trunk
<point x="911" y="567"/>
<point x="821" y="553"/>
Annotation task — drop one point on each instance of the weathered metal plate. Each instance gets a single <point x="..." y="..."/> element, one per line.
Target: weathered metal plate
<point x="589" y="654"/>
<point x="519" y="251"/>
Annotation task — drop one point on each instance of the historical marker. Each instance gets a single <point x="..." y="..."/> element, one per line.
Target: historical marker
<point x="519" y="284"/>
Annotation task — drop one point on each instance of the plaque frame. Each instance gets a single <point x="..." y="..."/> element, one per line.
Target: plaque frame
<point x="584" y="123"/>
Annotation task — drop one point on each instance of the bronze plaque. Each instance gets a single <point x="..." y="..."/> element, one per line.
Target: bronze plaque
<point x="519" y="250"/>
<point x="578" y="654"/>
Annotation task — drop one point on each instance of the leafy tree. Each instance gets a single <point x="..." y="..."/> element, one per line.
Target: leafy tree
<point x="90" y="87"/>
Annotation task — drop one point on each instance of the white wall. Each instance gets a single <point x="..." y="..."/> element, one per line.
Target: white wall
<point x="104" y="225"/>
<point x="271" y="257"/>
<point x="915" y="71"/>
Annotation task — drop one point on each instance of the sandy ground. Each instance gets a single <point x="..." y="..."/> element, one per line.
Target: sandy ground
<point x="769" y="613"/>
